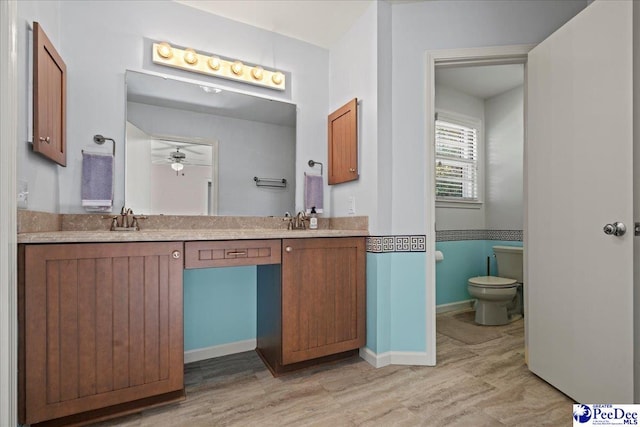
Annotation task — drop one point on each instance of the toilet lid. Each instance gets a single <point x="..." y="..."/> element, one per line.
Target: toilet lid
<point x="492" y="281"/>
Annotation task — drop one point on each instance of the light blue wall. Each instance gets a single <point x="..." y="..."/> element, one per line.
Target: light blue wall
<point x="396" y="301"/>
<point x="463" y="259"/>
<point x="219" y="306"/>
<point x="378" y="306"/>
<point x="408" y="302"/>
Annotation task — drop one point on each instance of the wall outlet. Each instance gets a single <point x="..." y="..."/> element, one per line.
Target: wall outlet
<point x="23" y="194"/>
<point x="351" y="203"/>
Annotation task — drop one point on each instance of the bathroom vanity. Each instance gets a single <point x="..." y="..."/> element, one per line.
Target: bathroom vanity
<point x="101" y="313"/>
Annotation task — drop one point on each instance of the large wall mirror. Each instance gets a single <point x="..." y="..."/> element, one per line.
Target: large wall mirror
<point x="194" y="149"/>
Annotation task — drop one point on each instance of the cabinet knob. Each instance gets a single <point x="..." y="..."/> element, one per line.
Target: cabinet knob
<point x="175" y="254"/>
<point x="47" y="139"/>
<point x="352" y="170"/>
<point x="288" y="249"/>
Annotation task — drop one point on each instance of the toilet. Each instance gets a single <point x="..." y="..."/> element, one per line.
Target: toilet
<point x="499" y="298"/>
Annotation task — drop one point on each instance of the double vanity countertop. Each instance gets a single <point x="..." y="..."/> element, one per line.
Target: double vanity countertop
<point x="177" y="235"/>
<point x="39" y="227"/>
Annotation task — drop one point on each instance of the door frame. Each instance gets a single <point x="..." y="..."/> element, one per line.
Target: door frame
<point x="491" y="55"/>
<point x="8" y="205"/>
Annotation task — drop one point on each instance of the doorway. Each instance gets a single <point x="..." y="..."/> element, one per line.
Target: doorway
<point x="472" y="210"/>
<point x="479" y="126"/>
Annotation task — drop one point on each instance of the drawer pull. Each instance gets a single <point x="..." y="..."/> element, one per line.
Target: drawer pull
<point x="237" y="253"/>
<point x="175" y="254"/>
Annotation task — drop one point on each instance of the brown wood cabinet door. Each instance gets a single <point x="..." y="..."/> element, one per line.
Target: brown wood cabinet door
<point x="102" y="325"/>
<point x="323" y="297"/>
<point x="343" y="143"/>
<point x="49" y="99"/>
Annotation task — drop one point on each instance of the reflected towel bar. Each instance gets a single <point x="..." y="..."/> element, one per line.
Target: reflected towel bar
<point x="270" y="182"/>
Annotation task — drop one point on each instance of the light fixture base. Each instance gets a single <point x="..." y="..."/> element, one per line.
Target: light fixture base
<point x="213" y="65"/>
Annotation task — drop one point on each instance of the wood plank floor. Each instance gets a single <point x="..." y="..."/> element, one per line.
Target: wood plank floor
<point x="485" y="384"/>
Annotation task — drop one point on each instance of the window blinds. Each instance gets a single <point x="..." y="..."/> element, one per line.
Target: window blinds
<point x="456" y="160"/>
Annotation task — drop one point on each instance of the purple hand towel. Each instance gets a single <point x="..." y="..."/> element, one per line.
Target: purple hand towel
<point x="313" y="192"/>
<point x="97" y="182"/>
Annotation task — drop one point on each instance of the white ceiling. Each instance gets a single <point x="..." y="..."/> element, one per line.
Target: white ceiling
<point x="482" y="81"/>
<point x="319" y="22"/>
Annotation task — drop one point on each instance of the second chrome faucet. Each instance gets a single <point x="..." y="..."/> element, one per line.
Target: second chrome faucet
<point x="297" y="222"/>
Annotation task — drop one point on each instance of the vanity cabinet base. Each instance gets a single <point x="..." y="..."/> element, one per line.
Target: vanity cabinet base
<point x="116" y="411"/>
<point x="100" y="326"/>
<point x="278" y="369"/>
<point x="311" y="308"/>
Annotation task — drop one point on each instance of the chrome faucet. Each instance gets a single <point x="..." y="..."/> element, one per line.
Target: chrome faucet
<point x="299" y="221"/>
<point x="122" y="223"/>
<point x="124" y="214"/>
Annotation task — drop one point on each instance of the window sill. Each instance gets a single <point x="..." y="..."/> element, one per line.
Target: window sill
<point x="458" y="204"/>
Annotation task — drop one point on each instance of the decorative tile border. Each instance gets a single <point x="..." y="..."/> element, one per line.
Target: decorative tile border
<point x="508" y="235"/>
<point x="457" y="235"/>
<point x="384" y="244"/>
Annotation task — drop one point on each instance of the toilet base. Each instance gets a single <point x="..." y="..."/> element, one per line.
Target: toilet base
<point x="491" y="313"/>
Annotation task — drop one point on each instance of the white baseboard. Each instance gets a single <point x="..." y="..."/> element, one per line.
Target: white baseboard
<point x="395" y="358"/>
<point x="219" y="350"/>
<point x="454" y="306"/>
<point x="375" y="360"/>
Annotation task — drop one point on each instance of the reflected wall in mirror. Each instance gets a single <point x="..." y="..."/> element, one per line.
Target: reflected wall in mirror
<point x="193" y="149"/>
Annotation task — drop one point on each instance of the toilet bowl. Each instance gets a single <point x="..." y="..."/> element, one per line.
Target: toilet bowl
<point x="499" y="298"/>
<point x="494" y="295"/>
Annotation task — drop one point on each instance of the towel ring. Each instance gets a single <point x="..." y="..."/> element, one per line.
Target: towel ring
<point x="312" y="163"/>
<point x="99" y="139"/>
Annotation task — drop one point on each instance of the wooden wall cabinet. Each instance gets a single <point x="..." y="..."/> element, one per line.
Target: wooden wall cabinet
<point x="100" y="326"/>
<point x="343" y="143"/>
<point x="318" y="309"/>
<point x="49" y="99"/>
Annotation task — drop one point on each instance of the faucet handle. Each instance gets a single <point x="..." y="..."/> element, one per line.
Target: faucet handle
<point x="114" y="221"/>
<point x="135" y="224"/>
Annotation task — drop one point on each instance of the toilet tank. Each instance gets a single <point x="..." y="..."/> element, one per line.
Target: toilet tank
<point x="509" y="259"/>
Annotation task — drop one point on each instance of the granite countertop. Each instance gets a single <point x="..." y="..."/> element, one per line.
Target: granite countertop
<point x="180" y="235"/>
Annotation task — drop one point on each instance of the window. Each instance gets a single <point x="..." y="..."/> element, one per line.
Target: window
<point x="456" y="158"/>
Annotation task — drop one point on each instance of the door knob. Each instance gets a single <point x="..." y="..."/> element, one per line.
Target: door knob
<point x="615" y="229"/>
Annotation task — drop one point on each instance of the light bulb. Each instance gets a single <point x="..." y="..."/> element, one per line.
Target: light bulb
<point x="190" y="56"/>
<point x="214" y="63"/>
<point x="237" y="67"/>
<point x="177" y="166"/>
<point x="277" y="77"/>
<point x="256" y="72"/>
<point x="164" y="50"/>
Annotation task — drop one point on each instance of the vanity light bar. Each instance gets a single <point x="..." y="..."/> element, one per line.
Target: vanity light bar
<point x="212" y="65"/>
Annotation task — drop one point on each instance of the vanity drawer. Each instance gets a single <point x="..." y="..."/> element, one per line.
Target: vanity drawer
<point x="230" y="253"/>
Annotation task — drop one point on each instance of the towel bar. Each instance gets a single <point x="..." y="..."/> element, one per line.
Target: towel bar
<point x="270" y="182"/>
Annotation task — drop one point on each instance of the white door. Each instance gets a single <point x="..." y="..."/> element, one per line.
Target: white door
<point x="579" y="166"/>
